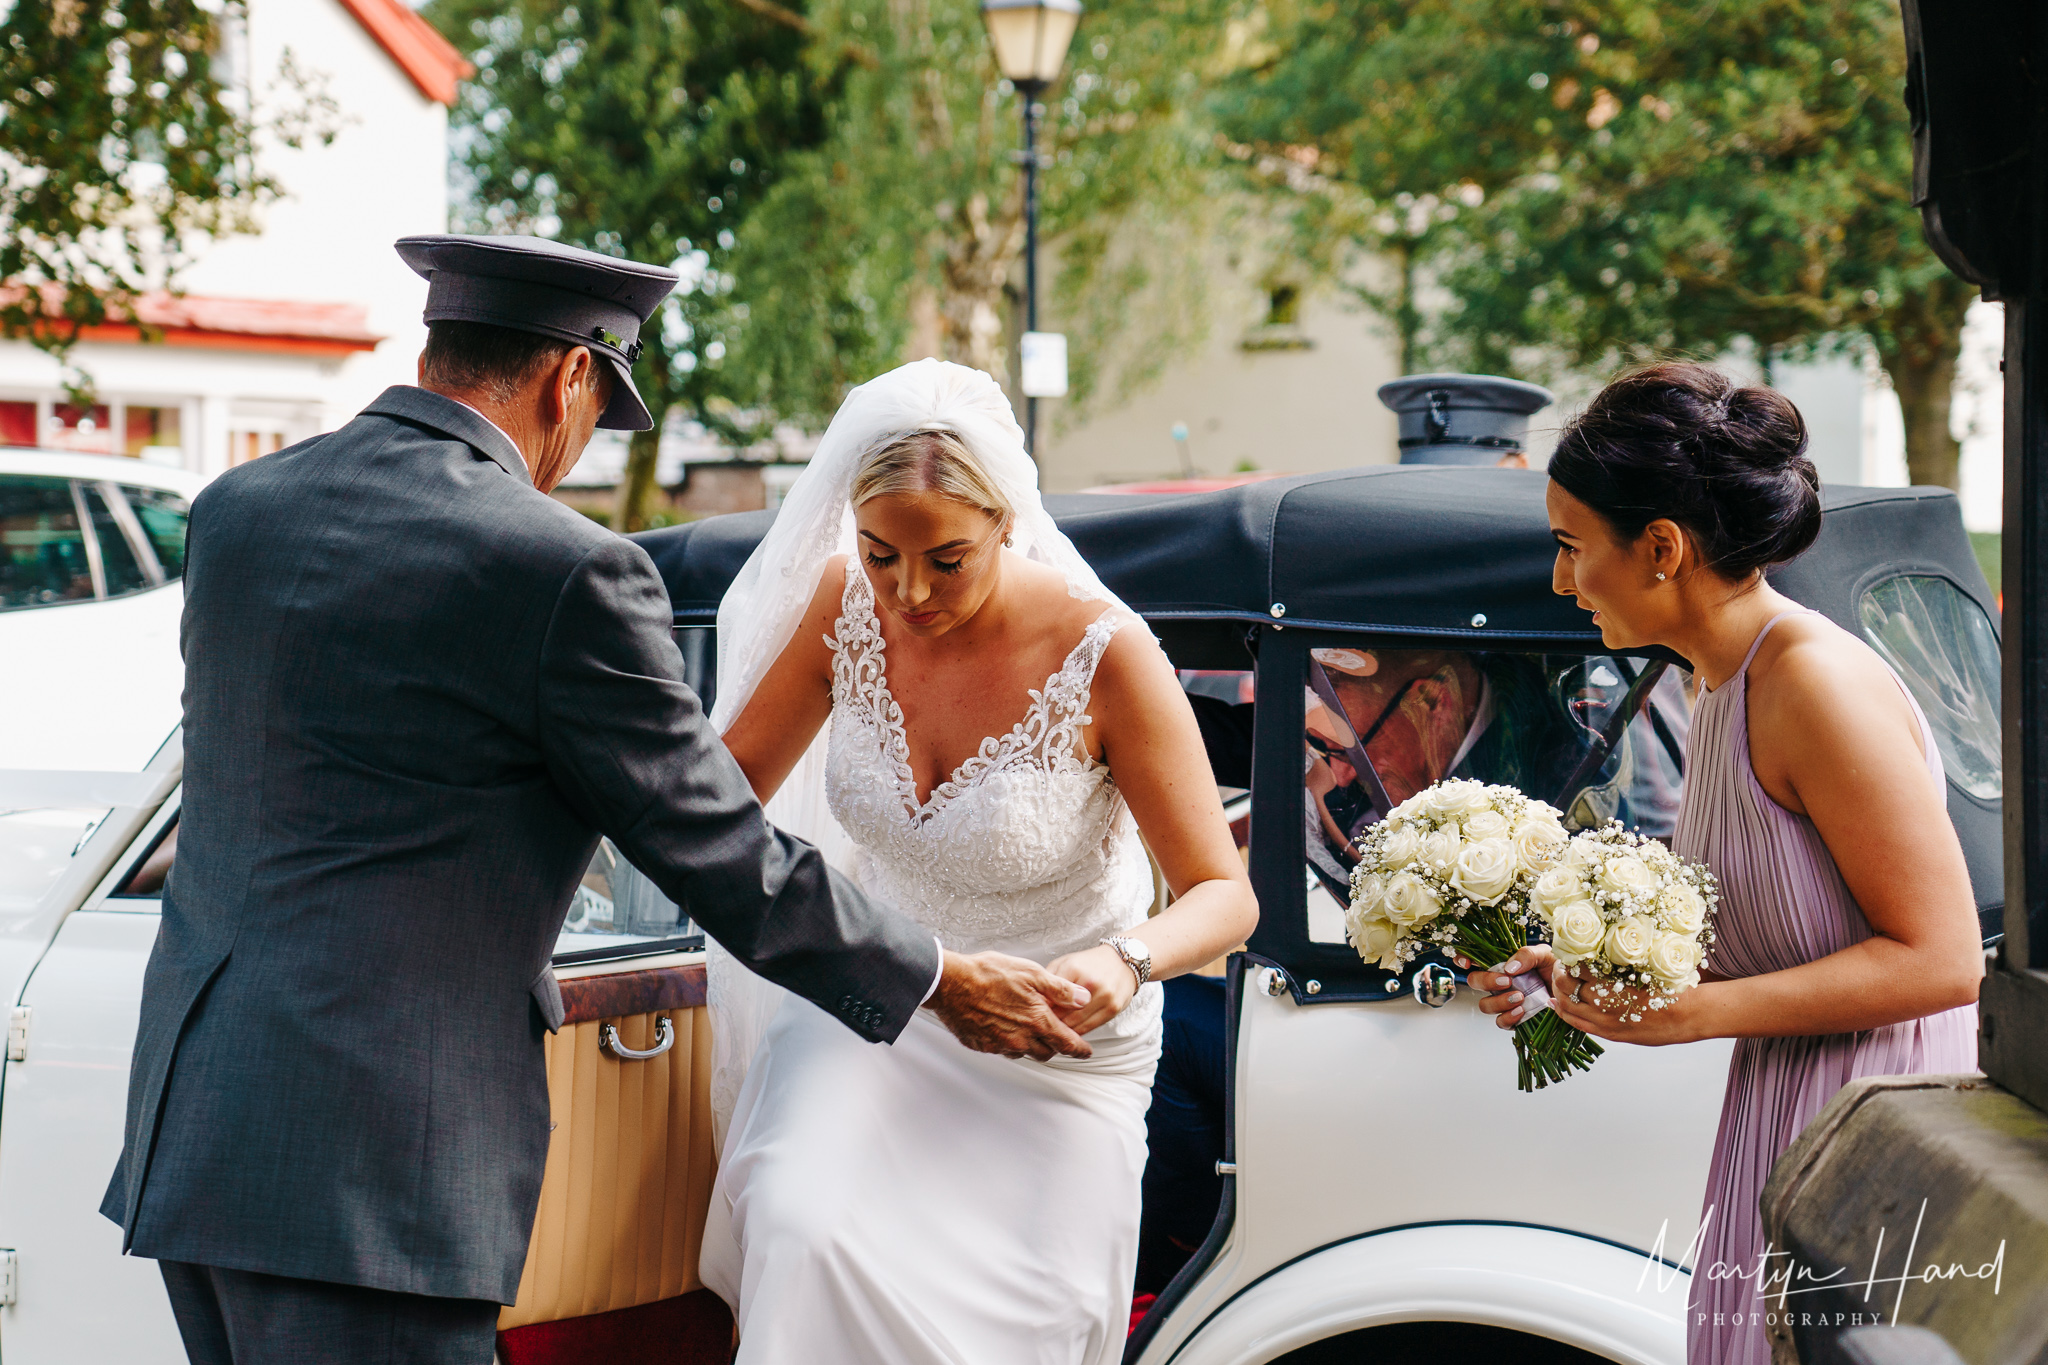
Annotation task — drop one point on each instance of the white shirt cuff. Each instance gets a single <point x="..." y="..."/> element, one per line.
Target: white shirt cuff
<point x="938" y="975"/>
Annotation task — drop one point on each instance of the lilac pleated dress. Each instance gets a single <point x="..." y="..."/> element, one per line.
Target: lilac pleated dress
<point x="1783" y="903"/>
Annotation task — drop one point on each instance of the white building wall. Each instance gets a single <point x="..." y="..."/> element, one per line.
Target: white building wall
<point x="327" y="240"/>
<point x="383" y="177"/>
<point x="1292" y="411"/>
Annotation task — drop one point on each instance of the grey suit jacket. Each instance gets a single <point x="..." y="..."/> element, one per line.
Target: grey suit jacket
<point x="416" y="691"/>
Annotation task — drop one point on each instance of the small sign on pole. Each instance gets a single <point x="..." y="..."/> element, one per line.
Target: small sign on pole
<point x="1044" y="367"/>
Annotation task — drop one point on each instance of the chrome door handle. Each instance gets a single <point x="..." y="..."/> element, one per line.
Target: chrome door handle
<point x="664" y="1039"/>
<point x="1435" y="984"/>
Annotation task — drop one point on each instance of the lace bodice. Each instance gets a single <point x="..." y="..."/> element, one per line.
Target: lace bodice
<point x="1027" y="848"/>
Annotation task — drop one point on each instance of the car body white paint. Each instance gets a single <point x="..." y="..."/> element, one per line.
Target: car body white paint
<point x="1541" y="1281"/>
<point x="1354" y="1118"/>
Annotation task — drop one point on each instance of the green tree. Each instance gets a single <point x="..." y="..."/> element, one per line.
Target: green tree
<point x="123" y="144"/>
<point x="641" y="129"/>
<point x="900" y="235"/>
<point x="1677" y="177"/>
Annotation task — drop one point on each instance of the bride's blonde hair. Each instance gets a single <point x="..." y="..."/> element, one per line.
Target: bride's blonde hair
<point x="935" y="461"/>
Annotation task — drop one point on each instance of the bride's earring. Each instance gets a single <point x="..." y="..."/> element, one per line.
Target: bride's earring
<point x="1660" y="578"/>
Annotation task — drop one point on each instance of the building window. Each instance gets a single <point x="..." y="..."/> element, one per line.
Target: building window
<point x="1280" y="329"/>
<point x="244" y="446"/>
<point x="152" y="434"/>
<point x="1283" y="307"/>
<point x="17" y="424"/>
<point x="88" y="430"/>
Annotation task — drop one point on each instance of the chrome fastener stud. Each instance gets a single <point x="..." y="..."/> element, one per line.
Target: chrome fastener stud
<point x="1276" y="981"/>
<point x="1313" y="987"/>
<point x="1478" y="620"/>
<point x="1278" y="610"/>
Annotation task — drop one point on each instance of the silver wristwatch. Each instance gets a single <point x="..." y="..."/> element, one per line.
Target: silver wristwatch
<point x="1135" y="954"/>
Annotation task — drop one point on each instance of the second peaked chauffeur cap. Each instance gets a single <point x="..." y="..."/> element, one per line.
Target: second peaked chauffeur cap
<point x="531" y="284"/>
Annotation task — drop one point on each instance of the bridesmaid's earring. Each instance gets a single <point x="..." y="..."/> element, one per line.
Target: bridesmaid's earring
<point x="1660" y="578"/>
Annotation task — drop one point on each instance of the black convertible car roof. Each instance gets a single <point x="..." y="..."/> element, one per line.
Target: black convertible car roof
<point x="1413" y="550"/>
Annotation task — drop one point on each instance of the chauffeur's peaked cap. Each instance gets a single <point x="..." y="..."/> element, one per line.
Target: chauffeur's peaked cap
<point x="533" y="285"/>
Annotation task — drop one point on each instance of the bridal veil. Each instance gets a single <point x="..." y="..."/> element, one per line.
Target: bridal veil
<point x="766" y="602"/>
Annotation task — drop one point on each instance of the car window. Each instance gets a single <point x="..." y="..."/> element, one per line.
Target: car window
<point x="42" y="548"/>
<point x="1941" y="643"/>
<point x="616" y="905"/>
<point x="123" y="572"/>
<point x="1601" y="737"/>
<point x="163" y="516"/>
<point x="145" y="880"/>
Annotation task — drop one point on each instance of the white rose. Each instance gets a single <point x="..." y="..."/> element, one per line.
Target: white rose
<point x="1409" y="901"/>
<point x="1554" y="888"/>
<point x="1486" y="824"/>
<point x="1377" y="940"/>
<point x="1475" y="798"/>
<point x="1575" y="931"/>
<point x="1367" y="893"/>
<point x="1682" y="909"/>
<point x="1628" y="874"/>
<point x="1674" y="957"/>
<point x="1411" y="809"/>
<point x="1584" y="854"/>
<point x="1440" y="849"/>
<point x="1399" y="847"/>
<point x="1445" y="800"/>
<point x="1539" y="843"/>
<point x="1629" y="941"/>
<point x="1485" y="871"/>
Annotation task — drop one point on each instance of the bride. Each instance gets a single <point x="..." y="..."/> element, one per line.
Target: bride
<point x="996" y="729"/>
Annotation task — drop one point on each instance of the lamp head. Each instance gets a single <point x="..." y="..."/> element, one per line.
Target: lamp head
<point x="1030" y="38"/>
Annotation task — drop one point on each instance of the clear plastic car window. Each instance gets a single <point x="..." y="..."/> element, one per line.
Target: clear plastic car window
<point x="1594" y="734"/>
<point x="1941" y="643"/>
<point x="616" y="904"/>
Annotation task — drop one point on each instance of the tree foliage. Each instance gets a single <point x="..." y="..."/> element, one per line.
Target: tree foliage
<point x="642" y="129"/>
<point x="1607" y="179"/>
<point x="900" y="235"/>
<point x="123" y="142"/>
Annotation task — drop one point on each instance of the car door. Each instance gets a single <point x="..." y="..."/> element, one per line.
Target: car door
<point x="76" y="1297"/>
<point x="629" y="1170"/>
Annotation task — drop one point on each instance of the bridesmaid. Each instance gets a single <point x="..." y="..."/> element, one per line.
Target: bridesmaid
<point x="1848" y="942"/>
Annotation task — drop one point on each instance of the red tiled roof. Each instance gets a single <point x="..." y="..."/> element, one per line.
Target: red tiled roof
<point x="276" y="325"/>
<point x="420" y="51"/>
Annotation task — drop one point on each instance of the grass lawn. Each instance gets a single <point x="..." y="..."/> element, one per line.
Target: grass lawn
<point x="1986" y="543"/>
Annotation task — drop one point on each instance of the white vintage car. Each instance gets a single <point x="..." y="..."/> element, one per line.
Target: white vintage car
<point x="1372" y="1185"/>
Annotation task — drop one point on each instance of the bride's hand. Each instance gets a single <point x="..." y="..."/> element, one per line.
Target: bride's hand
<point x="1109" y="979"/>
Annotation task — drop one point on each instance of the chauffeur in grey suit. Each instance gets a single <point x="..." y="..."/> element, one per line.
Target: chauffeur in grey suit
<point x="417" y="690"/>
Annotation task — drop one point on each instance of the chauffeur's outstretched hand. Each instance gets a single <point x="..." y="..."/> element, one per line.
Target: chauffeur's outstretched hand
<point x="997" y="1003"/>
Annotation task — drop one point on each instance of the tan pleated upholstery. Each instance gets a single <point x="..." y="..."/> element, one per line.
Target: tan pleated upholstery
<point x="628" y="1176"/>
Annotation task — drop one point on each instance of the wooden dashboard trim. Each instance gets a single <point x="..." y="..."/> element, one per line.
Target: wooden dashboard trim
<point x="614" y="995"/>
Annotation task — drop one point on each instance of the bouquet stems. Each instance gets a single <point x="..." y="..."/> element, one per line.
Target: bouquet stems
<point x="1547" y="1049"/>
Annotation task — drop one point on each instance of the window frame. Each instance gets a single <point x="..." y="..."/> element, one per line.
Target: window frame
<point x="1326" y="973"/>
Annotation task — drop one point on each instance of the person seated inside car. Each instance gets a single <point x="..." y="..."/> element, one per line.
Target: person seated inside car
<point x="1419" y="716"/>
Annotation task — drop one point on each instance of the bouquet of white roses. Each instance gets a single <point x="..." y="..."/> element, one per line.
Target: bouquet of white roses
<point x="1628" y="916"/>
<point x="1454" y="869"/>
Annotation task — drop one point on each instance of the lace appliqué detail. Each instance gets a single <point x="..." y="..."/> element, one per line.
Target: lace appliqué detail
<point x="1026" y="848"/>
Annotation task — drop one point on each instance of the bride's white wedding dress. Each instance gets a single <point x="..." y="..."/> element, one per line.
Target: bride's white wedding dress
<point x="920" y="1202"/>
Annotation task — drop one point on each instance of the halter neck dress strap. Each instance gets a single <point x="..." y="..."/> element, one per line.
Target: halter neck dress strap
<point x="1758" y="642"/>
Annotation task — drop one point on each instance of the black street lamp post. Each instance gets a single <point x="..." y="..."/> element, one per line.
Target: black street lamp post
<point x="1030" y="39"/>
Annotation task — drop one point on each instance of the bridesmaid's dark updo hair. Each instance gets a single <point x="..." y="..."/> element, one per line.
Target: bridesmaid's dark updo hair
<point x="1680" y="440"/>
